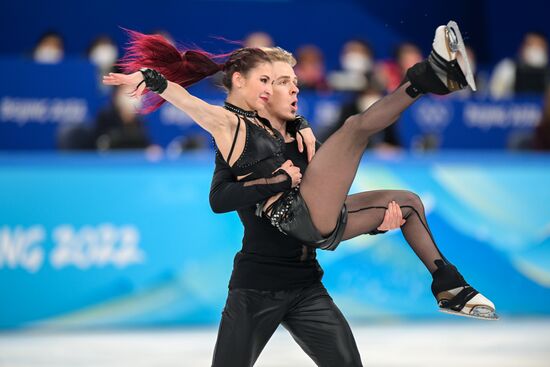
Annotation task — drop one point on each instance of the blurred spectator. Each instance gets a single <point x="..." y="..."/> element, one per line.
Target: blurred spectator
<point x="75" y="136"/>
<point x="103" y="53"/>
<point x="406" y="55"/>
<point x="529" y="73"/>
<point x="386" y="139"/>
<point x="49" y="49"/>
<point x="188" y="142"/>
<point x="310" y="68"/>
<point x="118" y="126"/>
<point x="541" y="139"/>
<point x="258" y="39"/>
<point x="357" y="61"/>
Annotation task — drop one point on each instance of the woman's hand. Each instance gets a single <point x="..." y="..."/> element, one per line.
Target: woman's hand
<point x="305" y="136"/>
<point x="293" y="172"/>
<point x="133" y="80"/>
<point x="393" y="218"/>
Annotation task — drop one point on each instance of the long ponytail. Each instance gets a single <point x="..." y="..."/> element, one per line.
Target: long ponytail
<point x="182" y="66"/>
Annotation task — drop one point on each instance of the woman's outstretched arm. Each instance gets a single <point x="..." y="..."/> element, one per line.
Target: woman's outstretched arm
<point x="219" y="122"/>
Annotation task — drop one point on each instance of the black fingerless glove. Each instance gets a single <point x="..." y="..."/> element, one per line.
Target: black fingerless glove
<point x="299" y="123"/>
<point x="154" y="81"/>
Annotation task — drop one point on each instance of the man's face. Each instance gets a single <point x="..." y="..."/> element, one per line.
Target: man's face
<point x="283" y="103"/>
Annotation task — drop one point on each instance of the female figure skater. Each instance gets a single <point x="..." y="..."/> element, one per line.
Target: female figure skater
<point x="315" y="213"/>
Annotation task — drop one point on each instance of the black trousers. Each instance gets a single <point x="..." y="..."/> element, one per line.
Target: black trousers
<point x="250" y="318"/>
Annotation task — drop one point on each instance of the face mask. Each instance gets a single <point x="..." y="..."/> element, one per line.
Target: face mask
<point x="535" y="56"/>
<point x="48" y="55"/>
<point x="356" y="62"/>
<point x="104" y="55"/>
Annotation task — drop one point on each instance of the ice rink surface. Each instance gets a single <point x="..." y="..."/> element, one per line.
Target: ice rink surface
<point x="459" y="343"/>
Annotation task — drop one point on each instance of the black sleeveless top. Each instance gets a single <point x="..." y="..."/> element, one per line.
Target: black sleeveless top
<point x="263" y="151"/>
<point x="269" y="259"/>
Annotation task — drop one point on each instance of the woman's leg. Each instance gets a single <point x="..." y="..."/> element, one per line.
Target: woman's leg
<point x="329" y="175"/>
<point x="454" y="295"/>
<point x="326" y="182"/>
<point x="366" y="212"/>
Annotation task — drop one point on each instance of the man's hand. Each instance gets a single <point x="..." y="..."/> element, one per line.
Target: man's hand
<point x="305" y="136"/>
<point x="393" y="218"/>
<point x="293" y="171"/>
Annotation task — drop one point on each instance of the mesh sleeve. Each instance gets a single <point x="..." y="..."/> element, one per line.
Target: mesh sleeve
<point x="228" y="194"/>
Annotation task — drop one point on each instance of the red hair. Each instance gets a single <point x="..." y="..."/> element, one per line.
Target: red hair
<point x="184" y="67"/>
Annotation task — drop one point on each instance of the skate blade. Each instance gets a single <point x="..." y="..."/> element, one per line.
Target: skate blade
<point x="480" y="312"/>
<point x="456" y="44"/>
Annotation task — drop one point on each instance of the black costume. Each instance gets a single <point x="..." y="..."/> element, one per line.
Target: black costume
<point x="264" y="152"/>
<point x="269" y="259"/>
<point x="276" y="278"/>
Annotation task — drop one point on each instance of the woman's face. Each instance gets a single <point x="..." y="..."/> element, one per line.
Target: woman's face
<point x="255" y="87"/>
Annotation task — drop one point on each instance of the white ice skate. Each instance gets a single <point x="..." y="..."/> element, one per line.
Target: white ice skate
<point x="443" y="58"/>
<point x="442" y="73"/>
<point x="466" y="301"/>
<point x="455" y="296"/>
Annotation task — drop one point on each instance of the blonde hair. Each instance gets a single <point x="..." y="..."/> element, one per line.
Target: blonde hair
<point x="279" y="54"/>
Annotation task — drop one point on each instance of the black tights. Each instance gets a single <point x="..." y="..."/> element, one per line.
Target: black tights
<point x="329" y="176"/>
<point x="366" y="211"/>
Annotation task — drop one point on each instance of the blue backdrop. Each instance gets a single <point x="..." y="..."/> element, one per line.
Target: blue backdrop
<point x="91" y="241"/>
<point x="37" y="102"/>
<point x="494" y="29"/>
